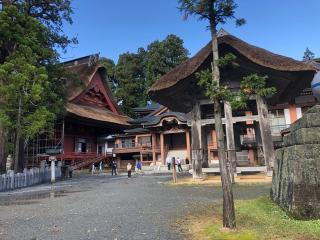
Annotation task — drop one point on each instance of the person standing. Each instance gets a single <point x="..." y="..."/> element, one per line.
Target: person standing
<point x="114" y="167"/>
<point x="179" y="164"/>
<point x="129" y="167"/>
<point x="139" y="166"/>
<point x="93" y="169"/>
<point x="168" y="161"/>
<point x="100" y="167"/>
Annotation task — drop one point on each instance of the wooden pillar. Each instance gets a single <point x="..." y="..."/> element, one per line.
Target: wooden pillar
<point x="265" y="131"/>
<point x="293" y="113"/>
<point x="162" y="149"/>
<point x="230" y="135"/>
<point x="196" y="139"/>
<point x="188" y="144"/>
<point x="154" y="144"/>
<point x="204" y="147"/>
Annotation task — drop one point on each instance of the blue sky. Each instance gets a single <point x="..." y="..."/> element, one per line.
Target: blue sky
<point x="112" y="27"/>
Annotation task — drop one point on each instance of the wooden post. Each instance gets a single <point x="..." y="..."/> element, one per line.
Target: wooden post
<point x="162" y="148"/>
<point x="174" y="170"/>
<point x="196" y="139"/>
<point x="204" y="147"/>
<point x="232" y="156"/>
<point x="154" y="144"/>
<point x="265" y="131"/>
<point x="188" y="144"/>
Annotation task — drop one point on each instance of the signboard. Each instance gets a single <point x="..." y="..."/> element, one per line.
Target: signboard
<point x="53" y="151"/>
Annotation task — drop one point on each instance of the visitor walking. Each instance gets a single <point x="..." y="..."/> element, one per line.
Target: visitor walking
<point x="93" y="169"/>
<point x="100" y="167"/>
<point x="179" y="164"/>
<point x="139" y="166"/>
<point x="114" y="167"/>
<point x="168" y="161"/>
<point x="129" y="167"/>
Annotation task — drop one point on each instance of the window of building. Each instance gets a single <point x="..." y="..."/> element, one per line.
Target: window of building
<point x="277" y="121"/>
<point x="82" y="145"/>
<point x="144" y="141"/>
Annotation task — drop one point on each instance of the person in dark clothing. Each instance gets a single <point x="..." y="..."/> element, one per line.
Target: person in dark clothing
<point x="114" y="167"/>
<point x="178" y="161"/>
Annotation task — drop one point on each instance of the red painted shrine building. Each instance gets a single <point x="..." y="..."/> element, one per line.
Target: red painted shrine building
<point x="91" y="116"/>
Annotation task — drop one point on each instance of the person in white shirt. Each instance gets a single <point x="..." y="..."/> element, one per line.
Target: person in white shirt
<point x="178" y="161"/>
<point x="168" y="161"/>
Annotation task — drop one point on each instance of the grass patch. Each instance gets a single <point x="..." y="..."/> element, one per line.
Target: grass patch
<point x="256" y="219"/>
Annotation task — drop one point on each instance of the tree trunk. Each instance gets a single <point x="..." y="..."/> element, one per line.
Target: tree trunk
<point x="232" y="156"/>
<point x="228" y="204"/>
<point x="229" y="220"/>
<point x="3" y="158"/>
<point x="196" y="139"/>
<point x="18" y="137"/>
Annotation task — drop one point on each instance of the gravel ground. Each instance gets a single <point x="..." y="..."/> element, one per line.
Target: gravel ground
<point x="105" y="207"/>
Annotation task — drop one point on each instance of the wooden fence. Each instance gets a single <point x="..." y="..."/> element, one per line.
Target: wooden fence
<point x="29" y="177"/>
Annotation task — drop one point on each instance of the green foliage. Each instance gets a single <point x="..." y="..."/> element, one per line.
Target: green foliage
<point x="216" y="11"/>
<point x="254" y="84"/>
<point x="227" y="60"/>
<point x="134" y="73"/>
<point x="262" y="219"/>
<point x="308" y="55"/>
<point x="162" y="56"/>
<point x="32" y="87"/>
<point x="213" y="90"/>
<point x="129" y="73"/>
<point x="220" y="92"/>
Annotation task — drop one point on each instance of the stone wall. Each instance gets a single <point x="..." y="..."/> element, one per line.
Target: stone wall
<point x="296" y="174"/>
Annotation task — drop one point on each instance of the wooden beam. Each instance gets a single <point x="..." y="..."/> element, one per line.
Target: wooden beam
<point x="188" y="144"/>
<point x="197" y="153"/>
<point x="162" y="148"/>
<point x="265" y="131"/>
<point x="232" y="157"/>
<point x="154" y="144"/>
<point x="210" y="121"/>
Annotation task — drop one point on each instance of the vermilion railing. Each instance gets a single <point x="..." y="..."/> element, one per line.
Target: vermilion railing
<point x="78" y="155"/>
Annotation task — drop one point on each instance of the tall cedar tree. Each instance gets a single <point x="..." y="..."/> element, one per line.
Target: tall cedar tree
<point x="134" y="73"/>
<point x="217" y="12"/>
<point x="130" y="76"/>
<point x="308" y="55"/>
<point x="32" y="86"/>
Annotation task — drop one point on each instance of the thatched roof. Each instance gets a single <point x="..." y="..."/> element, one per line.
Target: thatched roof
<point x="84" y="70"/>
<point x="97" y="114"/>
<point x="258" y="58"/>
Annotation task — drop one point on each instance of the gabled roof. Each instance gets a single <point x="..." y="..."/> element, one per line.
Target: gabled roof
<point x="85" y="69"/>
<point x="97" y="114"/>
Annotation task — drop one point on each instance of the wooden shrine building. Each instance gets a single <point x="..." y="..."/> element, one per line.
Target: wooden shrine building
<point x="251" y="133"/>
<point x="91" y="116"/>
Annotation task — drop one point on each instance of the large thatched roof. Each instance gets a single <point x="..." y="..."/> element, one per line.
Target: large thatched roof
<point x="177" y="88"/>
<point x="84" y="70"/>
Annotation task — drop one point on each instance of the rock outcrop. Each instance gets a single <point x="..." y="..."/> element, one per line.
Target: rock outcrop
<point x="296" y="174"/>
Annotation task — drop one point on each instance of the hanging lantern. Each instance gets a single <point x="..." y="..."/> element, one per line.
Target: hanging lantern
<point x="315" y="85"/>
